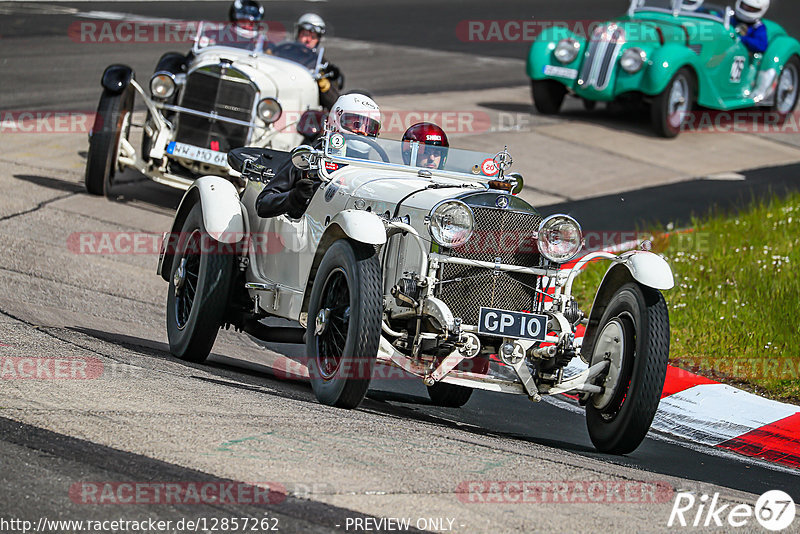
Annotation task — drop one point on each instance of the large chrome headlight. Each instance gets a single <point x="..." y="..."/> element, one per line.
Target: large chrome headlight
<point x="162" y="85"/>
<point x="567" y="50"/>
<point x="559" y="238"/>
<point x="269" y="110"/>
<point x="451" y="223"/>
<point x="632" y="60"/>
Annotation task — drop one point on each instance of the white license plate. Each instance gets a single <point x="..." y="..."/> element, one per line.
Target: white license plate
<point x="517" y="325"/>
<point x="196" y="153"/>
<point x="561" y="72"/>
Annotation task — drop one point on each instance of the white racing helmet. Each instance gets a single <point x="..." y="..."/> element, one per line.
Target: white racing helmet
<point x="751" y="10"/>
<point x="355" y="113"/>
<point x="691" y="5"/>
<point x="311" y="22"/>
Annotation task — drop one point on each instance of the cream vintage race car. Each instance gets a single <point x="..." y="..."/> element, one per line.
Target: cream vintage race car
<point x="445" y="273"/>
<point x="229" y="91"/>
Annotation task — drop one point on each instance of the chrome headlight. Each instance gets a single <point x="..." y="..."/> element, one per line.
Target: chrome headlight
<point x="559" y="238"/>
<point x="567" y="50"/>
<point x="269" y="110"/>
<point x="162" y="85"/>
<point x="632" y="60"/>
<point x="451" y="223"/>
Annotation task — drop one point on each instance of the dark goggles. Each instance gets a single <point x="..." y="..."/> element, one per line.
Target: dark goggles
<point x="359" y="124"/>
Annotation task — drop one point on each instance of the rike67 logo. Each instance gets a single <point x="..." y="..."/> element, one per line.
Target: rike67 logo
<point x="774" y="511"/>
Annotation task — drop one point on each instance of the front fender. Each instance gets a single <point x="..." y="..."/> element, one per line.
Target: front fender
<point x="361" y="226"/>
<point x="222" y="216"/>
<point x="643" y="267"/>
<point x="664" y="63"/>
<point x="116" y="78"/>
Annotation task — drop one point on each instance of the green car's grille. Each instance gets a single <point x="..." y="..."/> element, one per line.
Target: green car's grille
<point x="603" y="51"/>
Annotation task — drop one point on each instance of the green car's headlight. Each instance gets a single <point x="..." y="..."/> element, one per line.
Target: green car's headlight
<point x="559" y="238"/>
<point x="451" y="223"/>
<point x="567" y="50"/>
<point x="632" y="60"/>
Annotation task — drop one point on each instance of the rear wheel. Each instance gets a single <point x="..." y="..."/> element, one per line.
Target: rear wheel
<point x="788" y="89"/>
<point x="111" y="124"/>
<point x="633" y="335"/>
<point x="344" y="326"/>
<point x="199" y="284"/>
<point x="548" y="95"/>
<point x="670" y="109"/>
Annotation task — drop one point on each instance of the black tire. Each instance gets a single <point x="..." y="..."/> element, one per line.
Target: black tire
<point x="792" y="68"/>
<point x="589" y="105"/>
<point x="342" y="355"/>
<point x="101" y="161"/>
<point x="619" y="419"/>
<point x="548" y="95"/>
<point x="449" y="395"/>
<point x="194" y="318"/>
<point x="666" y="120"/>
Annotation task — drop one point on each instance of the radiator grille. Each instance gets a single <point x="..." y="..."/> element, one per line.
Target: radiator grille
<point x="212" y="90"/>
<point x="601" y="56"/>
<point x="503" y="234"/>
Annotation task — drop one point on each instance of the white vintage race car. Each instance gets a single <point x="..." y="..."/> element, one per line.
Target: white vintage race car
<point x="230" y="91"/>
<point x="445" y="273"/>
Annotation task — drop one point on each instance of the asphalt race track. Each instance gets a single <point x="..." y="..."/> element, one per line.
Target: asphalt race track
<point x="149" y="418"/>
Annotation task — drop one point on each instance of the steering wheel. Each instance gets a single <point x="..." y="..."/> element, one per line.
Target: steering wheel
<point x="378" y="148"/>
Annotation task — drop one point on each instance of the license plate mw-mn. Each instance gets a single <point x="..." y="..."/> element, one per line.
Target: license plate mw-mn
<point x="196" y="153"/>
<point x="512" y="324"/>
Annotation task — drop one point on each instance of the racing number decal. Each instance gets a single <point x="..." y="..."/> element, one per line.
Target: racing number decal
<point x="736" y="69"/>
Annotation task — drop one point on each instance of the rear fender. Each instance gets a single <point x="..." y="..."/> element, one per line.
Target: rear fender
<point x="222" y="216"/>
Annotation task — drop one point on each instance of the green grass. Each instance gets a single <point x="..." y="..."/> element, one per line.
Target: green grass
<point x="735" y="307"/>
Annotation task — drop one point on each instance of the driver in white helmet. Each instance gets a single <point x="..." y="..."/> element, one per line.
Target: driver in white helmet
<point x="309" y="31"/>
<point x="290" y="191"/>
<point x="748" y="24"/>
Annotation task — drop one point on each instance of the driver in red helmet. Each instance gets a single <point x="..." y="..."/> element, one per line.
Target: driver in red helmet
<point x="431" y="147"/>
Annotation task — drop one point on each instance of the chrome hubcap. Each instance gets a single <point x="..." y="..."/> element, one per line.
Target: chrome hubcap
<point x="180" y="277"/>
<point x="787" y="89"/>
<point x="610" y="346"/>
<point x="321" y="322"/>
<point x="678" y="102"/>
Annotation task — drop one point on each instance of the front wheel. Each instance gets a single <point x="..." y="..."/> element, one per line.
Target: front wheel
<point x="548" y="95"/>
<point x="344" y="324"/>
<point x="788" y="89"/>
<point x="111" y="123"/>
<point x="199" y="283"/>
<point x="672" y="106"/>
<point x="633" y="335"/>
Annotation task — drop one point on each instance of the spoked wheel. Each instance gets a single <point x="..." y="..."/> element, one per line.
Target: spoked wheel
<point x="344" y="326"/>
<point x="548" y="96"/>
<point x="788" y="89"/>
<point x="111" y="124"/>
<point x="198" y="291"/>
<point x="633" y="336"/>
<point x="671" y="108"/>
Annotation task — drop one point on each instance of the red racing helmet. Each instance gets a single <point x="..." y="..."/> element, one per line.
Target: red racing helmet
<point x="432" y="148"/>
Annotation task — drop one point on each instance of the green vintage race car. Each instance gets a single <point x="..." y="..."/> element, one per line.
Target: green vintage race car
<point x="673" y="54"/>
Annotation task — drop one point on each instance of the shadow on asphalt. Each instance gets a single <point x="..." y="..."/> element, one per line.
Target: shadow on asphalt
<point x="51" y="183"/>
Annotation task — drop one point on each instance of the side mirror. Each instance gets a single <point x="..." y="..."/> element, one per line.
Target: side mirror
<point x="311" y="123"/>
<point x="304" y="158"/>
<point x="519" y="183"/>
